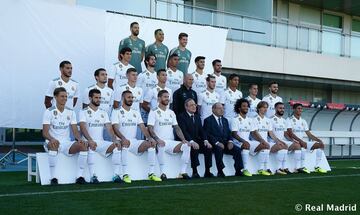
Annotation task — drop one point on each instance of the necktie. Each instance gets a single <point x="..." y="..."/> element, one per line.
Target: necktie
<point x="220" y="124"/>
<point x="192" y="119"/>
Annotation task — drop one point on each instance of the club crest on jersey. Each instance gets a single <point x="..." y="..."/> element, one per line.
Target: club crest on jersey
<point x="102" y="116"/>
<point x="89" y="112"/>
<point x="73" y="88"/>
<point x="139" y="93"/>
<point x="230" y="92"/>
<point x="249" y="123"/>
<point x="158" y="89"/>
<point x="148" y="74"/>
<point x="127" y="87"/>
<point x="258" y="118"/>
<point x="122" y="112"/>
<point x="240" y="119"/>
<point x="134" y="115"/>
<point x="170" y="72"/>
<point x="120" y="66"/>
<point x="55" y="112"/>
<point x="207" y="93"/>
<point x="159" y="112"/>
<point x="196" y="75"/>
<point x="108" y="94"/>
<point x="59" y="83"/>
<point x="68" y="117"/>
<point x="294" y="120"/>
<point x="275" y="119"/>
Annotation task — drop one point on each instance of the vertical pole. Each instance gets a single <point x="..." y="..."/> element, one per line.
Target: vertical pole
<point x="13" y="144"/>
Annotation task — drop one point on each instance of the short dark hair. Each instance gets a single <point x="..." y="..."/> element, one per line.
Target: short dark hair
<point x="147" y="58"/>
<point x="160" y="71"/>
<point x="216" y="61"/>
<point x="273" y="82"/>
<point x="278" y="103"/>
<point x="188" y="100"/>
<point x="261" y="104"/>
<point x="133" y="23"/>
<point x="63" y="63"/>
<point x="125" y="92"/>
<point x="182" y="34"/>
<point x="233" y="75"/>
<point x="130" y="70"/>
<point x="209" y="77"/>
<point x="58" y="90"/>
<point x="238" y="104"/>
<point x="252" y="84"/>
<point x="94" y="91"/>
<point x="172" y="56"/>
<point x="124" y="50"/>
<point x="297" y="105"/>
<point x="199" y="58"/>
<point x="97" y="72"/>
<point x="162" y="92"/>
<point x="157" y="31"/>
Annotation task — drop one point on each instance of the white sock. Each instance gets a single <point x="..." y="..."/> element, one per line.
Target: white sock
<point x="185" y="157"/>
<point x="151" y="159"/>
<point x="52" y="157"/>
<point x="160" y="157"/>
<point x="245" y="158"/>
<point x="81" y="163"/>
<point x="267" y="158"/>
<point x="116" y="161"/>
<point x="303" y="157"/>
<point x="90" y="161"/>
<point x="284" y="153"/>
<point x="279" y="158"/>
<point x="124" y="160"/>
<point x="262" y="158"/>
<point x="319" y="153"/>
<point x="297" y="156"/>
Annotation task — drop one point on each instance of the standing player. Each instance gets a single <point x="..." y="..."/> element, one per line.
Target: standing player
<point x="158" y="49"/>
<point x="161" y="123"/>
<point x="117" y="77"/>
<point x="125" y="121"/>
<point x="71" y="86"/>
<point x="137" y="92"/>
<point x="230" y="96"/>
<point x="175" y="77"/>
<point x="208" y="98"/>
<point x="199" y="75"/>
<point x="136" y="44"/>
<point x="297" y="127"/>
<point x="93" y="120"/>
<point x="279" y="130"/>
<point x="151" y="96"/>
<point x="272" y="98"/>
<point x="183" y="53"/>
<point x="57" y="122"/>
<point x="106" y="92"/>
<point x="220" y="79"/>
<point x="264" y="128"/>
<point x="253" y="100"/>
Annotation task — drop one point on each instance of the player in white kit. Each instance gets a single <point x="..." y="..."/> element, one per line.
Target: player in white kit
<point x="208" y="98"/>
<point x="199" y="84"/>
<point x="117" y="76"/>
<point x="220" y="79"/>
<point x="297" y="127"/>
<point x="230" y="96"/>
<point x="253" y="100"/>
<point x="93" y="120"/>
<point x="57" y="122"/>
<point x="265" y="130"/>
<point x="174" y="76"/>
<point x="272" y="98"/>
<point x="65" y="81"/>
<point x="279" y="125"/>
<point x="161" y="123"/>
<point x="125" y="121"/>
<point x="107" y="98"/>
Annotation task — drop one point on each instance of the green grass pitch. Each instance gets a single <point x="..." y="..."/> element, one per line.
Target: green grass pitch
<point x="230" y="195"/>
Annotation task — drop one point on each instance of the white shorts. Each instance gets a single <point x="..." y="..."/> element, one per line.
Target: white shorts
<point x="253" y="145"/>
<point x="170" y="146"/>
<point x="102" y="147"/>
<point x="134" y="146"/>
<point x="64" y="147"/>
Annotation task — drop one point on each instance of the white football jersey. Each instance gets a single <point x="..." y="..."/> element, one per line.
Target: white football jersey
<point x="151" y="96"/>
<point x="107" y="98"/>
<point x="95" y="122"/>
<point x="253" y="104"/>
<point x="118" y="74"/>
<point x="147" y="80"/>
<point x="206" y="100"/>
<point x="298" y="126"/>
<point x="127" y="121"/>
<point x="137" y="94"/>
<point x="220" y="86"/>
<point x="199" y="84"/>
<point x="174" y="79"/>
<point x="271" y="101"/>
<point x="229" y="98"/>
<point x="263" y="126"/>
<point x="279" y="126"/>
<point x="60" y="122"/>
<point x="243" y="126"/>
<point x="71" y="87"/>
<point x="163" y="122"/>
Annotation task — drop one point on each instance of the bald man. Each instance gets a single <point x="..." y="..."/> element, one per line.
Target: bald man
<point x="183" y="93"/>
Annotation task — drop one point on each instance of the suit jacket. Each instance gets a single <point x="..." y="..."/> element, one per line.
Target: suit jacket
<point x="214" y="131"/>
<point x="192" y="131"/>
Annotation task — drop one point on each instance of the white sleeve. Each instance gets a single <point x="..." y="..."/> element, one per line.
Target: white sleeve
<point x="107" y="120"/>
<point x="47" y="117"/>
<point x="200" y="99"/>
<point x="140" y="80"/>
<point x="50" y="90"/>
<point x="86" y="97"/>
<point x="139" y="119"/>
<point x="73" y="118"/>
<point x="112" y="72"/>
<point x="288" y="123"/>
<point x="270" y="125"/>
<point x="254" y="125"/>
<point x="171" y="96"/>
<point x="148" y="96"/>
<point x="174" y="121"/>
<point x="223" y="98"/>
<point x="151" y="118"/>
<point x="114" y="117"/>
<point x="142" y="95"/>
<point x="77" y="91"/>
<point x="306" y="127"/>
<point x="234" y="124"/>
<point x="82" y="117"/>
<point x="117" y="94"/>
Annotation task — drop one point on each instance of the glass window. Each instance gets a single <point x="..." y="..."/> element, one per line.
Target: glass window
<point x="355" y="25"/>
<point x="333" y="21"/>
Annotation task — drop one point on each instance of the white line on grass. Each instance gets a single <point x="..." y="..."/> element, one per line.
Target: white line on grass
<point x="174" y="185"/>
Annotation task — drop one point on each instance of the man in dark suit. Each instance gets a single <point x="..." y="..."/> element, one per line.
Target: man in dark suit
<point x="190" y="124"/>
<point x="219" y="135"/>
